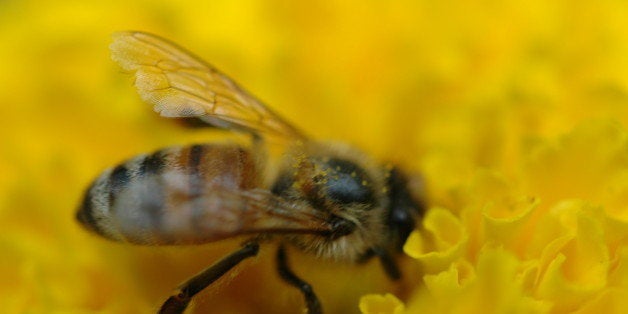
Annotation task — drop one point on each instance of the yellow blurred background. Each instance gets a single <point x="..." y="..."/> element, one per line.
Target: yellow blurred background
<point x="440" y="87"/>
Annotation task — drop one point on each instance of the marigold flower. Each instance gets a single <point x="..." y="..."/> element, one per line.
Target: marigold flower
<point x="525" y="254"/>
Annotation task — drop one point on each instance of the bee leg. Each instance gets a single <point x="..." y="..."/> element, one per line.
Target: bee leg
<point x="367" y="256"/>
<point x="178" y="302"/>
<point x="313" y="305"/>
<point x="388" y="262"/>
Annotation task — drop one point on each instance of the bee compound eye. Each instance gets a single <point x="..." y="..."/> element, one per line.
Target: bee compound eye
<point x="347" y="183"/>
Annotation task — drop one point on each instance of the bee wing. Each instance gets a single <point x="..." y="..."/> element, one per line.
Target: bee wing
<point x="213" y="215"/>
<point x="179" y="84"/>
<point x="228" y="213"/>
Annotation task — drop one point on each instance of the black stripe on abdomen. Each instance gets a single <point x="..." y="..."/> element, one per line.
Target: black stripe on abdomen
<point x="153" y="201"/>
<point x="152" y="164"/>
<point x="119" y="179"/>
<point x="85" y="214"/>
<point x="195" y="183"/>
<point x="195" y="175"/>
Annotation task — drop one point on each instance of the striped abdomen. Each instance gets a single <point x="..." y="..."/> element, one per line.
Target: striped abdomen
<point x="159" y="198"/>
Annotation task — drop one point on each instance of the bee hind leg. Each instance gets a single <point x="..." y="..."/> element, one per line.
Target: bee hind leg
<point x="313" y="305"/>
<point x="178" y="302"/>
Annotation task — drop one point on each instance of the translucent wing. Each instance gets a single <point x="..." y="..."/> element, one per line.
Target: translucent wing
<point x="179" y="84"/>
<point x="215" y="215"/>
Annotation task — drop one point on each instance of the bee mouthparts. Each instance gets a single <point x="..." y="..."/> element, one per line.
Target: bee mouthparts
<point x="340" y="227"/>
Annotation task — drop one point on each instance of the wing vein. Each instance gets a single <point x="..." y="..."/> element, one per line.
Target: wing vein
<point x="194" y="88"/>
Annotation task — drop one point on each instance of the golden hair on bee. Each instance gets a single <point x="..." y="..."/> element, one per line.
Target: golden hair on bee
<point x="327" y="199"/>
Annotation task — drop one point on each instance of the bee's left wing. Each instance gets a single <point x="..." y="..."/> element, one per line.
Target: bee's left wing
<point x="228" y="213"/>
<point x="215" y="214"/>
<point x="180" y="84"/>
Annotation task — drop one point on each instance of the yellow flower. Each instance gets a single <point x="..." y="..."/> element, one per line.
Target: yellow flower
<point x="551" y="242"/>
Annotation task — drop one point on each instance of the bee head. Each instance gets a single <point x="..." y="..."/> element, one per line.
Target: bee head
<point x="404" y="208"/>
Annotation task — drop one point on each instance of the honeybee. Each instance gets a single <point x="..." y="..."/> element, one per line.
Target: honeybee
<point x="327" y="199"/>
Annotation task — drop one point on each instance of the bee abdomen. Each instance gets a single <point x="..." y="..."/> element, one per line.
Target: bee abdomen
<point x="150" y="198"/>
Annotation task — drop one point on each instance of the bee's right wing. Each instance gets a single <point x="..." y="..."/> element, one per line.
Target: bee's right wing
<point x="180" y="85"/>
<point x="214" y="215"/>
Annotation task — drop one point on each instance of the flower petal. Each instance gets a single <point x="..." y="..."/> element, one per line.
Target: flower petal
<point x="381" y="304"/>
<point x="442" y="241"/>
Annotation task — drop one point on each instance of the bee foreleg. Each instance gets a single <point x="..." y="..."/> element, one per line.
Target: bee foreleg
<point x="388" y="262"/>
<point x="313" y="305"/>
<point x="178" y="302"/>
